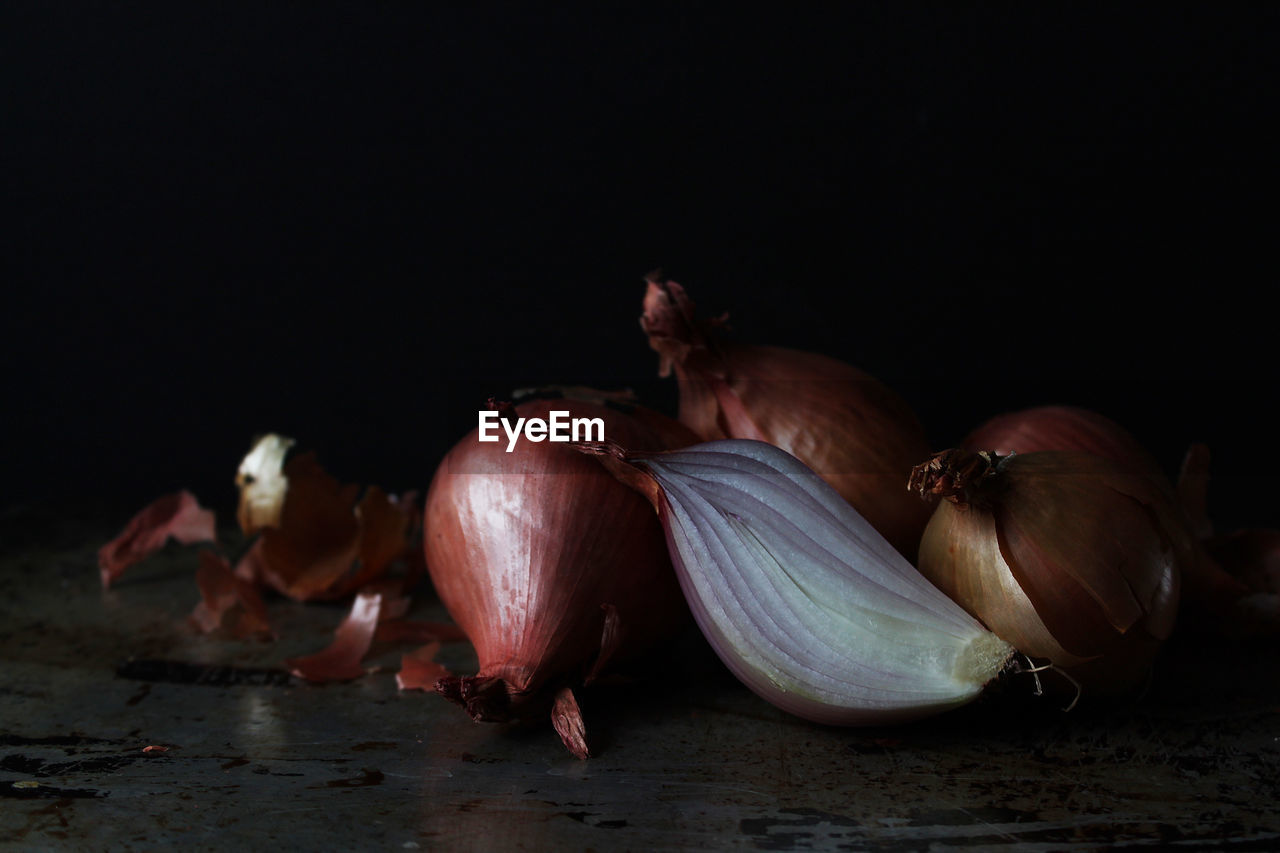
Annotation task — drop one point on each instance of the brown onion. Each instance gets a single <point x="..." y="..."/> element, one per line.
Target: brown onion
<point x="855" y="432"/>
<point x="1212" y="588"/>
<point x="1067" y="556"/>
<point x="554" y="569"/>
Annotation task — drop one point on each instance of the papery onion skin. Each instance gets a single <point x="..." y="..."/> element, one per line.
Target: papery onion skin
<point x="177" y="516"/>
<point x="531" y="550"/>
<point x="1061" y="427"/>
<point x="800" y="597"/>
<point x="1067" y="556"/>
<point x="855" y="432"/>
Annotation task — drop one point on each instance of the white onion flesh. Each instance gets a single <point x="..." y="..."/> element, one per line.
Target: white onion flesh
<point x="803" y="600"/>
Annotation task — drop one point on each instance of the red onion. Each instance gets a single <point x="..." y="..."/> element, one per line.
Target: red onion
<point x="554" y="570"/>
<point x="859" y="435"/>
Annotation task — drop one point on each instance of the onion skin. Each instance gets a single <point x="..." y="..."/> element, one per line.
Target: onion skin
<point x="540" y="555"/>
<point x="1067" y="556"/>
<point x="854" y="431"/>
<point x="1064" y="428"/>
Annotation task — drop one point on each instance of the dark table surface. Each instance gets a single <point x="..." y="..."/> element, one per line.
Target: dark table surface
<point x="255" y="758"/>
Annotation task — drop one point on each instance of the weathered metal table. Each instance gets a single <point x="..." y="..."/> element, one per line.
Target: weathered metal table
<point x="255" y="759"/>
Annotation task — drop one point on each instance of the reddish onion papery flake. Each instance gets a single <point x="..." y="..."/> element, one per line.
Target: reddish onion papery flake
<point x="566" y="719"/>
<point x="227" y="600"/>
<point x="178" y="516"/>
<point x="854" y="431"/>
<point x="384" y="536"/>
<point x="250" y="566"/>
<point x="317" y="541"/>
<point x="340" y="661"/>
<point x="419" y="670"/>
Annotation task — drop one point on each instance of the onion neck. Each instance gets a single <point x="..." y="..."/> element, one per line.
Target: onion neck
<point x="957" y="475"/>
<point x="671" y="321"/>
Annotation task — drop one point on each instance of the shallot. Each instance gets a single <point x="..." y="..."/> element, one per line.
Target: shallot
<point x="800" y="596"/>
<point x="1068" y="556"/>
<point x="554" y="570"/>
<point x="854" y="431"/>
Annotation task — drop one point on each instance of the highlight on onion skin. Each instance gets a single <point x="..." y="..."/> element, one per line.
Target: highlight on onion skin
<point x="555" y="571"/>
<point x="854" y="431"/>
<point x="1068" y="556"/>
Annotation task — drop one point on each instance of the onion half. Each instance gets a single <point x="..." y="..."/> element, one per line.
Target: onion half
<point x="800" y="596"/>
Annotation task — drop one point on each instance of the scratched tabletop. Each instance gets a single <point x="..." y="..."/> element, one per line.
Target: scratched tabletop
<point x="244" y="756"/>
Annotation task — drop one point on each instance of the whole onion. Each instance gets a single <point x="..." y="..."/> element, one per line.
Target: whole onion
<point x="1212" y="584"/>
<point x="855" y="432"/>
<point x="553" y="569"/>
<point x="1067" y="556"/>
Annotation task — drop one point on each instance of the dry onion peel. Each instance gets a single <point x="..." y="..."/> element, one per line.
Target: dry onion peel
<point x="320" y="539"/>
<point x="228" y="600"/>
<point x="340" y="660"/>
<point x="177" y="516"/>
<point x="419" y="669"/>
<point x="799" y="595"/>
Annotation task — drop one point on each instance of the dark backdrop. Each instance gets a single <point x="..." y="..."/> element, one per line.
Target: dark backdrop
<point x="352" y="222"/>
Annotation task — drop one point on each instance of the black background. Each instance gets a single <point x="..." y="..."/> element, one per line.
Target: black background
<point x="351" y="223"/>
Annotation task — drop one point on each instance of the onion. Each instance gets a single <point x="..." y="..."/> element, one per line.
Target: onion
<point x="859" y="435"/>
<point x="1212" y="589"/>
<point x="1067" y="556"/>
<point x="800" y="596"/>
<point x="553" y="569"/>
